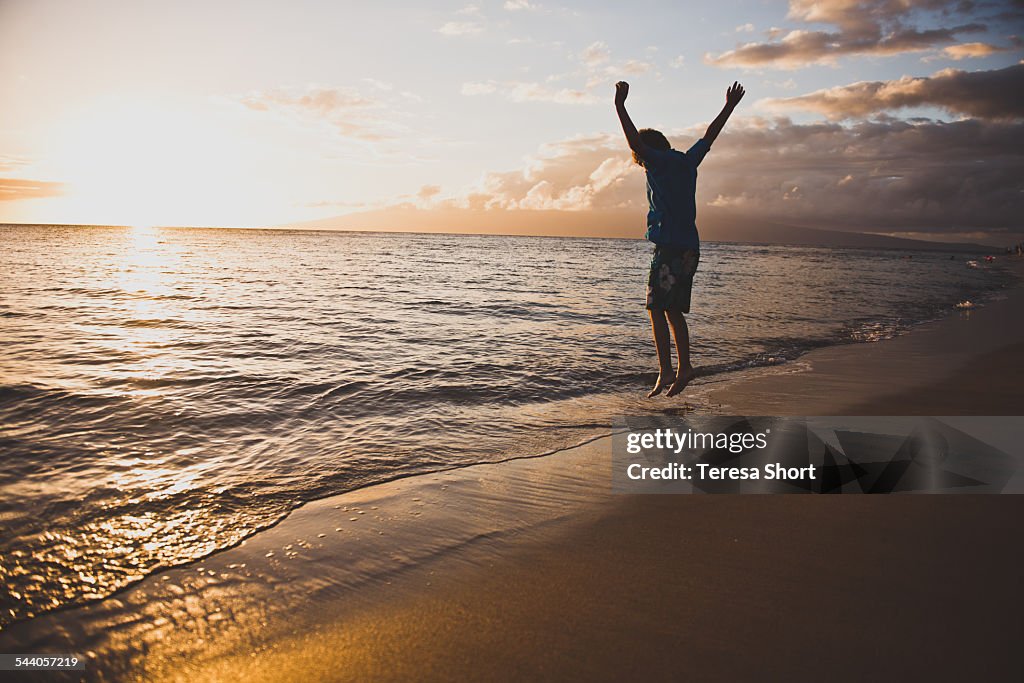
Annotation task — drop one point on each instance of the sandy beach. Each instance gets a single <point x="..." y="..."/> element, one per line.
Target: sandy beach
<point x="532" y="569"/>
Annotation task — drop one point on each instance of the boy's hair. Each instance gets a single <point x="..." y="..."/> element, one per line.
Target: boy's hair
<point x="653" y="139"/>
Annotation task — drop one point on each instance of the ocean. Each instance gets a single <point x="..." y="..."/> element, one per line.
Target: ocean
<point x="165" y="393"/>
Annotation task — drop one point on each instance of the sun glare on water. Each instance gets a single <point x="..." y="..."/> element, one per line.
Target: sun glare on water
<point x="148" y="309"/>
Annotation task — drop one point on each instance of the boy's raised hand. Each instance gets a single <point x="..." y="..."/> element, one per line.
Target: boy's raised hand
<point x="734" y="94"/>
<point x="732" y="97"/>
<point x="621" y="91"/>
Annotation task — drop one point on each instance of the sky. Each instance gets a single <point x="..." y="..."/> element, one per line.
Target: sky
<point x="897" y="116"/>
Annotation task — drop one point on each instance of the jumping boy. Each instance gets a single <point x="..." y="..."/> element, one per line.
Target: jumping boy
<point x="671" y="188"/>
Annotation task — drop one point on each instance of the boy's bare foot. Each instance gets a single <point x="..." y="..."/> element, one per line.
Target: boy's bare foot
<point x="664" y="380"/>
<point x="682" y="379"/>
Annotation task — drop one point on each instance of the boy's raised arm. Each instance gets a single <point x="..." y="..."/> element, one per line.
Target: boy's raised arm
<point x="732" y="97"/>
<point x="632" y="136"/>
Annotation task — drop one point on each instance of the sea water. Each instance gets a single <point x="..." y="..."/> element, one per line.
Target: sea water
<point x="165" y="393"/>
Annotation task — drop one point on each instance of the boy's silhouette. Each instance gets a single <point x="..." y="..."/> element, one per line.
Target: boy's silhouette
<point x="671" y="187"/>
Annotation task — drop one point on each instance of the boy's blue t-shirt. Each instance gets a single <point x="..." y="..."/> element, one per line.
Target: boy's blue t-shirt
<point x="671" y="190"/>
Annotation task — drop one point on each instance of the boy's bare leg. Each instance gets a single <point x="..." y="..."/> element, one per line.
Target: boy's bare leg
<point x="682" y="335"/>
<point x="659" y="325"/>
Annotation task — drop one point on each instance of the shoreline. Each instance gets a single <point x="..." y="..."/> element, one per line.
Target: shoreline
<point x="499" y="557"/>
<point x="954" y="365"/>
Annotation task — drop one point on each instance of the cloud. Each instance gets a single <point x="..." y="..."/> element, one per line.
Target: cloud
<point x="599" y="70"/>
<point x="460" y="28"/>
<point x="518" y="5"/>
<point x="479" y="88"/>
<point x="972" y="50"/>
<point x="12" y="189"/>
<point x="926" y="175"/>
<point x="596" y="70"/>
<point x="352" y="114"/>
<point x="428" y="191"/>
<point x="316" y="99"/>
<point x="470" y="20"/>
<point x="997" y="94"/>
<point x="745" y="28"/>
<point x="585" y="172"/>
<point x="521" y="91"/>
<point x="864" y="27"/>
<point x="614" y="72"/>
<point x="629" y="67"/>
<point x="595" y="54"/>
<point x="875" y="175"/>
<point x="9" y="162"/>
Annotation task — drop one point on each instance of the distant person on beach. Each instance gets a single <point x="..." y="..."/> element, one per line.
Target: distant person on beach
<point x="671" y="225"/>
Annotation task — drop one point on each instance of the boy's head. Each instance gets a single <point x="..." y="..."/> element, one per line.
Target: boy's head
<point x="653" y="139"/>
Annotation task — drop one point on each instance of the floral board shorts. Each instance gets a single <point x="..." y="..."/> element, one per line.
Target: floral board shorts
<point x="671" y="278"/>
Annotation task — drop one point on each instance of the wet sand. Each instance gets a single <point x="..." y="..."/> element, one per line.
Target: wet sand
<point x="738" y="588"/>
<point x="533" y="570"/>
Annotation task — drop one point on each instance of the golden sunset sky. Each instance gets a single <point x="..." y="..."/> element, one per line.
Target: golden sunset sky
<point x="897" y="116"/>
